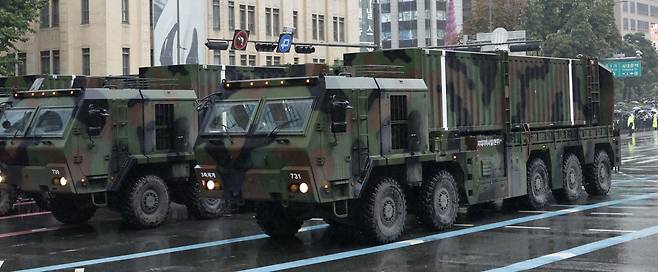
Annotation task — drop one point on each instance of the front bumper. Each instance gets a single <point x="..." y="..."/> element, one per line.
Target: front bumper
<point x="39" y="178"/>
<point x="259" y="185"/>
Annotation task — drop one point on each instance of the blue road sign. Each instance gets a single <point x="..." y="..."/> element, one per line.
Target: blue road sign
<point x="285" y="43"/>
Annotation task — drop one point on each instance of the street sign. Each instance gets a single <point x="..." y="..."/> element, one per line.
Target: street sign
<point x="240" y="40"/>
<point x="285" y="43"/>
<point x="624" y="67"/>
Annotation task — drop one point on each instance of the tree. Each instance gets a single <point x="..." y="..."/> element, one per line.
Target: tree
<point x="645" y="85"/>
<point x="451" y="36"/>
<point x="507" y="14"/>
<point x="16" y="17"/>
<point x="570" y="28"/>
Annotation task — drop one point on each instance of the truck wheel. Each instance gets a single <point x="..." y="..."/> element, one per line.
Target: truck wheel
<point x="201" y="207"/>
<point x="276" y="222"/>
<point x="7" y="199"/>
<point x="42" y="200"/>
<point x="439" y="201"/>
<point x="572" y="180"/>
<point x="145" y="202"/>
<point x="72" y="209"/>
<point x="538" y="182"/>
<point x="598" y="175"/>
<point x="383" y="211"/>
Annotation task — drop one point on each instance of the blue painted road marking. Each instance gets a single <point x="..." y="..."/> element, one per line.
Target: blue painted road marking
<point x="160" y="251"/>
<point x="441" y="236"/>
<point x="577" y="251"/>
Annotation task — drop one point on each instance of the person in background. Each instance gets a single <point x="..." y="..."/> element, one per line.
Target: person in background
<point x="654" y="125"/>
<point x="631" y="124"/>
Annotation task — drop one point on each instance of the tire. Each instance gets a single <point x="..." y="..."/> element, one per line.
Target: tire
<point x="572" y="180"/>
<point x="42" y="200"/>
<point x="201" y="207"/>
<point x="72" y="209"/>
<point x="439" y="201"/>
<point x="7" y="199"/>
<point x="145" y="202"/>
<point x="383" y="211"/>
<point x="598" y="176"/>
<point x="538" y="184"/>
<point x="276" y="222"/>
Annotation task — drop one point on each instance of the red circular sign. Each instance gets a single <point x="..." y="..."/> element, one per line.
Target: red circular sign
<point x="240" y="40"/>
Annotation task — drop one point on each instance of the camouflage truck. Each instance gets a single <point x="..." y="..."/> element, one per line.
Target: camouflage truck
<point x="129" y="149"/>
<point x="427" y="130"/>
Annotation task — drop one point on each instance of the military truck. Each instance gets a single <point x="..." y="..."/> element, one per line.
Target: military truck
<point x="129" y="149"/>
<point x="412" y="129"/>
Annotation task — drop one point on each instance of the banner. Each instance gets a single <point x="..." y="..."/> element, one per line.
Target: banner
<point x="170" y="46"/>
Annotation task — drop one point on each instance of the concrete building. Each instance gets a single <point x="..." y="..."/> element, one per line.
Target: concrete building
<point x="636" y="16"/>
<point x="411" y="23"/>
<point x="114" y="37"/>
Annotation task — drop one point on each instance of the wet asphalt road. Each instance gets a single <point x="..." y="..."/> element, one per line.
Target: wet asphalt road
<point x="618" y="232"/>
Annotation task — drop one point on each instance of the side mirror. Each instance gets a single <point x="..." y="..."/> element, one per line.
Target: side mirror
<point x="339" y="115"/>
<point x="95" y="120"/>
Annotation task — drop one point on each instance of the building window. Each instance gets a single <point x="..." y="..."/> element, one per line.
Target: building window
<point x="84" y="5"/>
<point x="625" y="23"/>
<point x="55" y="11"/>
<point x="125" y="14"/>
<point x="217" y="57"/>
<point x="243" y="60"/>
<point x="252" y="60"/>
<point x="252" y="19"/>
<point x="633" y="25"/>
<point x="276" y="24"/>
<point x="268" y="21"/>
<point x="319" y="61"/>
<point x="164" y="126"/>
<point x="56" y="65"/>
<point x="295" y="15"/>
<point x="277" y="60"/>
<point x="321" y="27"/>
<point x="314" y="22"/>
<point x="295" y="60"/>
<point x="341" y="28"/>
<point x="632" y="6"/>
<point x="45" y="15"/>
<point x="654" y="11"/>
<point x="86" y="62"/>
<point x="268" y="61"/>
<point x="625" y="6"/>
<point x="643" y="26"/>
<point x="335" y="29"/>
<point x="642" y="9"/>
<point x="215" y="14"/>
<point x="243" y="17"/>
<point x="21" y="64"/>
<point x="231" y="57"/>
<point x="125" y="55"/>
<point x="231" y="15"/>
<point x="45" y="62"/>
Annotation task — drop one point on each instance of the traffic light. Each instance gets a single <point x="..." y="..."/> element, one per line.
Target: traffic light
<point x="265" y="47"/>
<point x="217" y="45"/>
<point x="304" y="49"/>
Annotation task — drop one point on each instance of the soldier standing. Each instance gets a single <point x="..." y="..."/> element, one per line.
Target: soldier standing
<point x="654" y="125"/>
<point x="631" y="124"/>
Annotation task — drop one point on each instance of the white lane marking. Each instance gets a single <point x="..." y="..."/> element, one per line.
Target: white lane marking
<point x="80" y="270"/>
<point x="23" y="215"/>
<point x="611" y="213"/>
<point x="463" y="225"/>
<point x="611" y="230"/>
<point x="533" y="211"/>
<point x="526" y="227"/>
<point x="629" y="207"/>
<point x="647" y="161"/>
<point x="317" y="219"/>
<point x="1" y="262"/>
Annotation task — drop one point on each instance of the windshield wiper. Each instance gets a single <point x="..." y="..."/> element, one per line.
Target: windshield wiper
<point x="227" y="129"/>
<point x="273" y="132"/>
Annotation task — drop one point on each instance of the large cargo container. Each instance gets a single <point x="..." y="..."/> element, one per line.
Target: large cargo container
<point x="468" y="91"/>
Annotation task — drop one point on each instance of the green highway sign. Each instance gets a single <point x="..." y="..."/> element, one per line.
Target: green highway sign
<point x="624" y="67"/>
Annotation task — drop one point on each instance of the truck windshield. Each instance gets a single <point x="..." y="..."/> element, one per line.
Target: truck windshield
<point x="287" y="115"/>
<point x="227" y="116"/>
<point x="51" y="122"/>
<point x="13" y="122"/>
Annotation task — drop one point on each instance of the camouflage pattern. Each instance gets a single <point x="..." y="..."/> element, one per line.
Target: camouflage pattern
<point x="33" y="159"/>
<point x="481" y="117"/>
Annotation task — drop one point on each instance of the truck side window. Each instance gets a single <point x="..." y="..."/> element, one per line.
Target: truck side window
<point x="164" y="126"/>
<point x="399" y="127"/>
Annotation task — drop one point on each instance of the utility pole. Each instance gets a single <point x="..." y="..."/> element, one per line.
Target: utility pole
<point x="377" y="39"/>
<point x="178" y="31"/>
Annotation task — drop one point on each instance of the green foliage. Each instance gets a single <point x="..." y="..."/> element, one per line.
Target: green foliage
<point x="635" y="88"/>
<point x="507" y="14"/>
<point x="16" y="17"/>
<point x="571" y="28"/>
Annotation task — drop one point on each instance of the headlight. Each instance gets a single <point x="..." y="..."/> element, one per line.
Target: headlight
<point x="63" y="181"/>
<point x="303" y="187"/>
<point x="210" y="185"/>
<point x="2" y="178"/>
